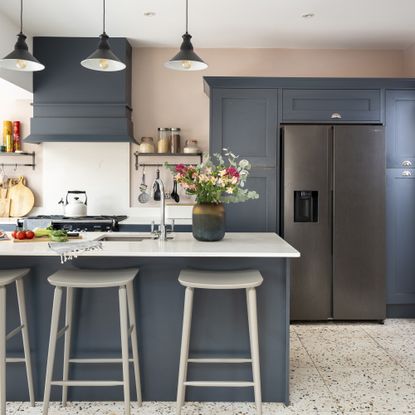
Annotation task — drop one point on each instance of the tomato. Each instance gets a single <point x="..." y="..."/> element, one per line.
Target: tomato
<point x="29" y="234"/>
<point x="21" y="235"/>
<point x="14" y="233"/>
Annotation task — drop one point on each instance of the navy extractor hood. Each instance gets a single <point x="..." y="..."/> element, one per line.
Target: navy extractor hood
<point x="74" y="104"/>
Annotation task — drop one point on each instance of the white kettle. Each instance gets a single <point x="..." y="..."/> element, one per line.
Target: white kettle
<point x="74" y="207"/>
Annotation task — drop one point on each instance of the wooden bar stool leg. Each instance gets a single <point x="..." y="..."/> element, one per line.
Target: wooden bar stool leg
<point x="253" y="337"/>
<point x="134" y="344"/>
<point x="184" y="352"/>
<point x="67" y="342"/>
<point x="57" y="299"/>
<point x="124" y="347"/>
<point x="3" y="350"/>
<point x="25" y="337"/>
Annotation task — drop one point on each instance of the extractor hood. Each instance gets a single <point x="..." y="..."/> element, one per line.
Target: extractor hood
<point x="74" y="104"/>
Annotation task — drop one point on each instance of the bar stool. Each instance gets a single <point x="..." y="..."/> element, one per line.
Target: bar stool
<point x="8" y="277"/>
<point x="70" y="279"/>
<point x="220" y="280"/>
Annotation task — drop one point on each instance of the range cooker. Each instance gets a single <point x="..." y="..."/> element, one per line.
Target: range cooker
<point x="83" y="223"/>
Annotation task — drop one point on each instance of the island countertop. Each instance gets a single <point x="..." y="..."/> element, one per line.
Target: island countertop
<point x="251" y="245"/>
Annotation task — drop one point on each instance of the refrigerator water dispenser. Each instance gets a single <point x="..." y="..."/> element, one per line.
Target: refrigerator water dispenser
<point x="305" y="206"/>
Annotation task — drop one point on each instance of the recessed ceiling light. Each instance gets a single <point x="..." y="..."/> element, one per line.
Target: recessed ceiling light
<point x="149" y="14"/>
<point x="307" y="15"/>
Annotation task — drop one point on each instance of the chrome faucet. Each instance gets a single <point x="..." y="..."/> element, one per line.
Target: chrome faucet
<point x="162" y="231"/>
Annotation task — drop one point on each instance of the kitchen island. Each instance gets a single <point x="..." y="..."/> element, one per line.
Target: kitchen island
<point x="219" y="317"/>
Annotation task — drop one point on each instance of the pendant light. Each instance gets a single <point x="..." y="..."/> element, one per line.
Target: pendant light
<point x="21" y="59"/>
<point x="103" y="59"/>
<point x="186" y="59"/>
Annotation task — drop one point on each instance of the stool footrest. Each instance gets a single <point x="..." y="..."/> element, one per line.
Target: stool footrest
<point x="219" y="360"/>
<point x="15" y="360"/>
<point x="97" y="360"/>
<point x="220" y="384"/>
<point x="87" y="383"/>
<point x="14" y="332"/>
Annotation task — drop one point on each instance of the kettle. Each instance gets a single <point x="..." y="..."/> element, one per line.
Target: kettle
<point x="74" y="207"/>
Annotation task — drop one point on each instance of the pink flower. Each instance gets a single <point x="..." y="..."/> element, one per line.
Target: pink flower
<point x="181" y="168"/>
<point x="232" y="171"/>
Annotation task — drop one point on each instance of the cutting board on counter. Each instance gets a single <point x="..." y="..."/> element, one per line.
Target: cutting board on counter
<point x="44" y="239"/>
<point x="21" y="198"/>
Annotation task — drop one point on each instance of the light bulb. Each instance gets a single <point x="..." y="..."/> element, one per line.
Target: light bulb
<point x="186" y="64"/>
<point x="20" y="64"/>
<point x="103" y="63"/>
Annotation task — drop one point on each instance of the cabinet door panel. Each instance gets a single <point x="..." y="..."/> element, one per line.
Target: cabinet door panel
<point x="400" y="128"/>
<point x="334" y="106"/>
<point x="258" y="215"/>
<point x="400" y="231"/>
<point x="245" y="121"/>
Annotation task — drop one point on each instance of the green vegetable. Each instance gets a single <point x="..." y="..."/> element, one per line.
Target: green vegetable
<point x="58" y="235"/>
<point x="39" y="232"/>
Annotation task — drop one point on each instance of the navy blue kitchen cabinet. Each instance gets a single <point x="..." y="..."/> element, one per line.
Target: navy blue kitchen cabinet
<point x="400" y="128"/>
<point x="246" y="122"/>
<point x="400" y="232"/>
<point x="357" y="106"/>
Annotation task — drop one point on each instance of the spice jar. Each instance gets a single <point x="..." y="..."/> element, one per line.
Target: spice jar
<point x="17" y="143"/>
<point x="7" y="130"/>
<point x="191" y="147"/>
<point x="175" y="140"/>
<point x="163" y="145"/>
<point x="146" y="145"/>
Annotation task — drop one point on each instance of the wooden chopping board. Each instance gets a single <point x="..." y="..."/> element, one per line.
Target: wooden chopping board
<point x="4" y="204"/>
<point x="44" y="239"/>
<point x="21" y="198"/>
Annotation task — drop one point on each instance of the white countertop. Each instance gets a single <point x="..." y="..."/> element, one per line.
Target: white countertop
<point x="252" y="245"/>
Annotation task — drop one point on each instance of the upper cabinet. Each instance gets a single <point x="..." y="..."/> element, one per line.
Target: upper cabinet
<point x="246" y="122"/>
<point x="400" y="128"/>
<point x="331" y="106"/>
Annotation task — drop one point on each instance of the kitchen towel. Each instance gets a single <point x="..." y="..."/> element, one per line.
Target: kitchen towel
<point x="71" y="250"/>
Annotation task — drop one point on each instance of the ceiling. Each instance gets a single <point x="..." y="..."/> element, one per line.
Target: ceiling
<point x="379" y="24"/>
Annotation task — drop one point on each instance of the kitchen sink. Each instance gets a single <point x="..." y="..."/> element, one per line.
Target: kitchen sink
<point x="125" y="238"/>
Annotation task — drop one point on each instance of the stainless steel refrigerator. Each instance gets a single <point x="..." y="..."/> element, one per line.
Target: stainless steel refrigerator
<point x="333" y="212"/>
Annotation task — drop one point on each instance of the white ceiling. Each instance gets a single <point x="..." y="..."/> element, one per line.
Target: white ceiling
<point x="380" y="24"/>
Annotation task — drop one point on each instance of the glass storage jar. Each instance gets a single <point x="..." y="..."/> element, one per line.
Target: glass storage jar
<point x="175" y="140"/>
<point x="163" y="145"/>
<point x="147" y="145"/>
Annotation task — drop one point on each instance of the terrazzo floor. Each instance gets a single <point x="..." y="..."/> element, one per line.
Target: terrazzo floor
<point x="335" y="369"/>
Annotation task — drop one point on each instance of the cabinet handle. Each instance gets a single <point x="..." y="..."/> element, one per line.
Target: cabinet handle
<point x="406" y="163"/>
<point x="406" y="173"/>
<point x="336" y="115"/>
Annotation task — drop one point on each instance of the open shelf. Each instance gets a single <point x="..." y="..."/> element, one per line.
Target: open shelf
<point x="13" y="154"/>
<point x="137" y="155"/>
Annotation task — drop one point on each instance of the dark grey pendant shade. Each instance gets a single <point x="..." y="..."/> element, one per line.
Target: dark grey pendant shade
<point x="21" y="59"/>
<point x="103" y="59"/>
<point x="186" y="59"/>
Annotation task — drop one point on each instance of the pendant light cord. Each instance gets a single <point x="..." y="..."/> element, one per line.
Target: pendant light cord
<point x="187" y="15"/>
<point x="103" y="15"/>
<point x="21" y="16"/>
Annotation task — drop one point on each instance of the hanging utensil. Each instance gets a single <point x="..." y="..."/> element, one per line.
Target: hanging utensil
<point x="156" y="187"/>
<point x="174" y="195"/>
<point x="143" y="197"/>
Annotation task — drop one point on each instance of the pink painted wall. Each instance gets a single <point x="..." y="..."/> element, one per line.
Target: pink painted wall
<point x="409" y="61"/>
<point x="166" y="98"/>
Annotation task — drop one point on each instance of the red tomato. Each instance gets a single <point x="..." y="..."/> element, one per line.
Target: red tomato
<point x="21" y="235"/>
<point x="14" y="233"/>
<point x="30" y="234"/>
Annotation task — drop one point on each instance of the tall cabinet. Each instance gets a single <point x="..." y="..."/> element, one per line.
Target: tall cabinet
<point x="245" y="121"/>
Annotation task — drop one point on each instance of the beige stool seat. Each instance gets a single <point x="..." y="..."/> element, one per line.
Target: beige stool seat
<point x="92" y="278"/>
<point x="69" y="280"/>
<point x="8" y="277"/>
<point x="220" y="280"/>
